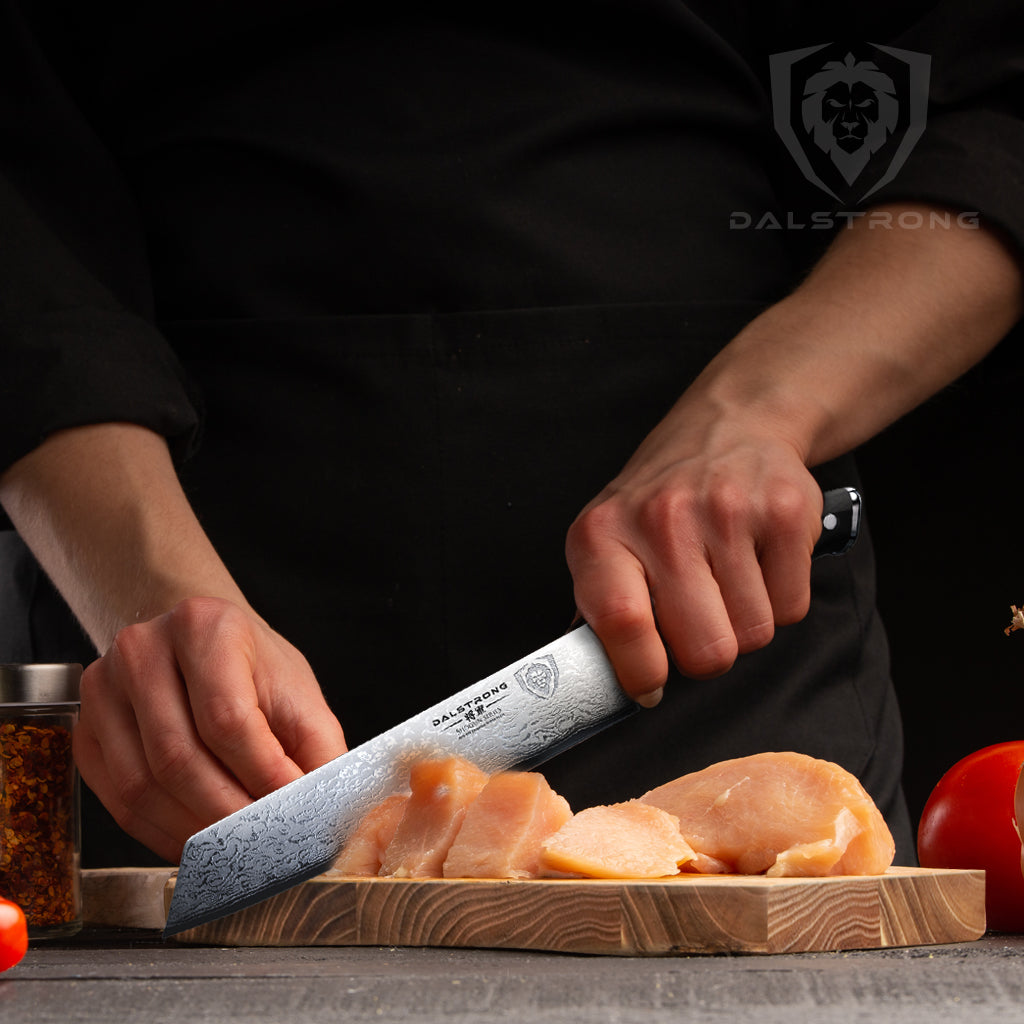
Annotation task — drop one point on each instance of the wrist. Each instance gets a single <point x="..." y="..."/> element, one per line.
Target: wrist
<point x="771" y="381"/>
<point x="103" y="512"/>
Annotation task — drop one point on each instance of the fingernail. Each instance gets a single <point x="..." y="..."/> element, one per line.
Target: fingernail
<point x="652" y="699"/>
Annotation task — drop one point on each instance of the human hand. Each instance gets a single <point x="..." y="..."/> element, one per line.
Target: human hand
<point x="708" y="530"/>
<point x="697" y="550"/>
<point x="194" y="714"/>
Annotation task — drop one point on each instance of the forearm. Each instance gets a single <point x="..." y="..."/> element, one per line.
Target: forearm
<point x="197" y="706"/>
<point x="888" y="318"/>
<point x="713" y="519"/>
<point x="103" y="512"/>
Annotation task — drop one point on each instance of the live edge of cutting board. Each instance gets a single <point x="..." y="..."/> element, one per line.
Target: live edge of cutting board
<point x="683" y="914"/>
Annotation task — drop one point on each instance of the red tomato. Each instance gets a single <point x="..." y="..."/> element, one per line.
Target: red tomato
<point x="968" y="822"/>
<point x="13" y="934"/>
<point x="1018" y="813"/>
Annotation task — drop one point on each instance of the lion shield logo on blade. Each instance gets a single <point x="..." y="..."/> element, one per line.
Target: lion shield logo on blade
<point x="540" y="677"/>
<point x="850" y="116"/>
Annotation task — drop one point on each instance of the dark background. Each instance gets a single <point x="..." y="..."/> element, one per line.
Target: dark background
<point x="943" y="488"/>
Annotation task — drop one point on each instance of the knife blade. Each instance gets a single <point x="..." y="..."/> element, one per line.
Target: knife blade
<point x="519" y="717"/>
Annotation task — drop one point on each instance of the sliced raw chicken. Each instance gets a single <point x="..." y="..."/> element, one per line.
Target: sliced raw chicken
<point x="780" y="814"/>
<point x="363" y="854"/>
<point x="441" y="790"/>
<point x="504" y="827"/>
<point x="628" y="840"/>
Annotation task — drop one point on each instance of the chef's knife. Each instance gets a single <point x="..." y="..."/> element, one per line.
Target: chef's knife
<point x="517" y="718"/>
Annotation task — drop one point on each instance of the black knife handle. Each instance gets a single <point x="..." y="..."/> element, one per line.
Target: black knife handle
<point x="840" y="522"/>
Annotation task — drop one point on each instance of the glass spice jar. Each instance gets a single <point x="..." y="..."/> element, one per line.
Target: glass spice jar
<point x="40" y="831"/>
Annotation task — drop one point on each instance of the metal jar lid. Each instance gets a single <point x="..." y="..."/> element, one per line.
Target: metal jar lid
<point x="55" y="683"/>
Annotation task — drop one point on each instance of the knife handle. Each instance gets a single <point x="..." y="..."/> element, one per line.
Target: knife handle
<point x="840" y="522"/>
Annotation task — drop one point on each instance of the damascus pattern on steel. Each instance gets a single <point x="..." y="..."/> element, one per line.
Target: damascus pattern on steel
<point x="517" y="718"/>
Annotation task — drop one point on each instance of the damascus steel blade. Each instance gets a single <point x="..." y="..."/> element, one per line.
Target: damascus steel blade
<point x="517" y="718"/>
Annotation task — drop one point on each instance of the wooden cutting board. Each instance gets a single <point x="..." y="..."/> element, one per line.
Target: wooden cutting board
<point x="684" y="914"/>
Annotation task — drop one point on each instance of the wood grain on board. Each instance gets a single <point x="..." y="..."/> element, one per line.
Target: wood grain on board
<point x="683" y="914"/>
<point x="125" y="897"/>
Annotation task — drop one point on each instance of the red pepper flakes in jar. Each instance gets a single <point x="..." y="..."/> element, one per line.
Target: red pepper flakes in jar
<point x="39" y="796"/>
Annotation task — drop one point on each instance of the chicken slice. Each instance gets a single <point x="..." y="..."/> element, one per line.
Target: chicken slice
<point x="363" y="854"/>
<point x="780" y="814"/>
<point x="627" y="840"/>
<point x="505" y="826"/>
<point x="440" y="791"/>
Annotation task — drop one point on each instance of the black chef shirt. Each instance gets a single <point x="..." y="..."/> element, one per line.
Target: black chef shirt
<point x="405" y="287"/>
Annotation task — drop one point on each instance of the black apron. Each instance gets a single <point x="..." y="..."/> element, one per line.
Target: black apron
<point x="402" y="521"/>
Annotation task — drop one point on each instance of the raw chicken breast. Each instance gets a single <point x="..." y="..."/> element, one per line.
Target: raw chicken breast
<point x="627" y="840"/>
<point x="441" y="790"/>
<point x="363" y="854"/>
<point x="780" y="814"/>
<point x="504" y="827"/>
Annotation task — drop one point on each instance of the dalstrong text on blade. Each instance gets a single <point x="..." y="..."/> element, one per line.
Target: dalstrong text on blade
<point x="470" y="709"/>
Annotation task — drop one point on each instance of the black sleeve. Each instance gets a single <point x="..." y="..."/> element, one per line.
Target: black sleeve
<point x="77" y="343"/>
<point x="971" y="154"/>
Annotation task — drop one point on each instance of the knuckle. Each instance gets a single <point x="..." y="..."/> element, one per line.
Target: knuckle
<point x="621" y="622"/>
<point x="222" y="722"/>
<point x="665" y="513"/>
<point x="91" y="687"/>
<point x="133" y="790"/>
<point x="130" y="647"/>
<point x="711" y="659"/>
<point x="793" y="610"/>
<point x="195" y="618"/>
<point x="591" y="528"/>
<point x="728" y="504"/>
<point x="129" y="666"/>
<point x="754" y="636"/>
<point x="171" y="759"/>
<point x="790" y="511"/>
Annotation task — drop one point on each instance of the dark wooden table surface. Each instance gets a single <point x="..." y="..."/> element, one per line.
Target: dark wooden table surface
<point x="108" y="976"/>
